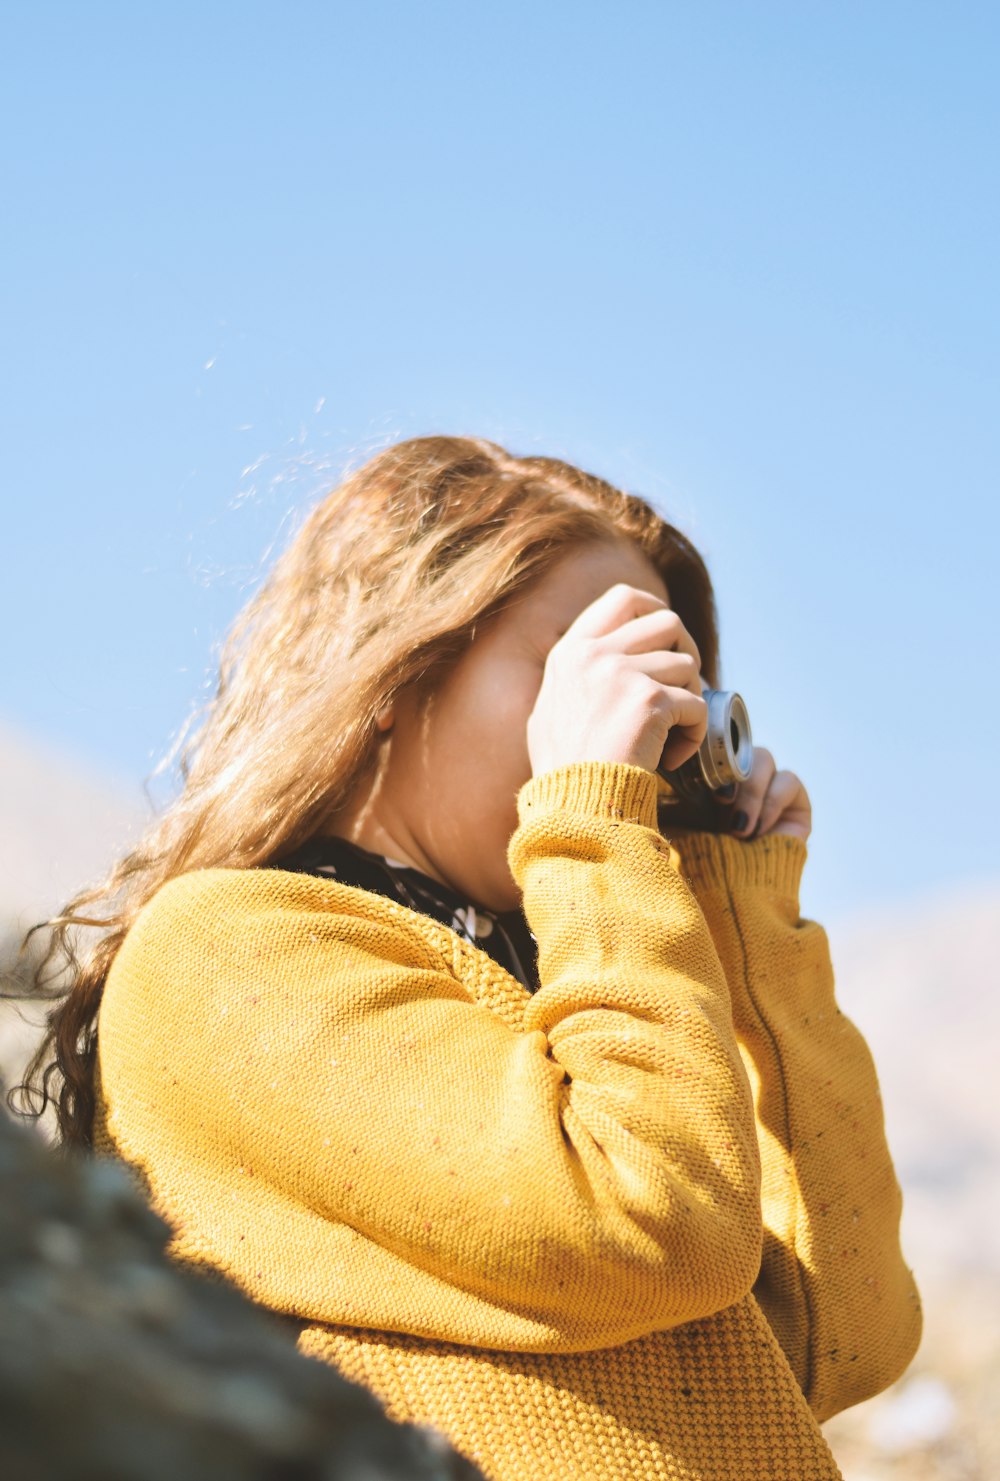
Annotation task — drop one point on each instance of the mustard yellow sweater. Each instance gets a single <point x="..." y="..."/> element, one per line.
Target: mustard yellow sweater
<point x="640" y="1223"/>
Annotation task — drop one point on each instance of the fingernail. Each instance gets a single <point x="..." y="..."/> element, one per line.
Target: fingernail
<point x="739" y="821"/>
<point x="727" y="793"/>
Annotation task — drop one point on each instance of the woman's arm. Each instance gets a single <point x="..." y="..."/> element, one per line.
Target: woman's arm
<point x="833" y="1282"/>
<point x="327" y="1107"/>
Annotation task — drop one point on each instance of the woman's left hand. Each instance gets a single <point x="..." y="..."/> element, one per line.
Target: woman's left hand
<point x="770" y="801"/>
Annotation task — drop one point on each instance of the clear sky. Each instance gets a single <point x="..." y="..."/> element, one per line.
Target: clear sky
<point x="741" y="259"/>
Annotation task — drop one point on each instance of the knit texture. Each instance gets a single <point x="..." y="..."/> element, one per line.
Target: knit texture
<point x="642" y="1222"/>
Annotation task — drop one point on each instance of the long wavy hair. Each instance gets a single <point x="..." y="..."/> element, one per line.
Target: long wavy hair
<point x="382" y="587"/>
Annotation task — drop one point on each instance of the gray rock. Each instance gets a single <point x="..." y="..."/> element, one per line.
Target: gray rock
<point x="118" y="1365"/>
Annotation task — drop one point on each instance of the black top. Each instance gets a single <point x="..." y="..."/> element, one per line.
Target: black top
<point x="505" y="935"/>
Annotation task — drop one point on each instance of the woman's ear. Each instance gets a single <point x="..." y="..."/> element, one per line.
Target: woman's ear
<point x="385" y="717"/>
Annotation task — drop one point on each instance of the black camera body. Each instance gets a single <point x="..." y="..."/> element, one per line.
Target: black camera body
<point x="689" y="793"/>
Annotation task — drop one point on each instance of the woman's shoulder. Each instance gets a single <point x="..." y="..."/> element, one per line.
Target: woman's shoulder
<point x="211" y="938"/>
<point x="240" y="891"/>
<point x="233" y="910"/>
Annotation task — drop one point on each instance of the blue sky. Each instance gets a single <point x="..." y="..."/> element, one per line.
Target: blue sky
<point x="740" y="259"/>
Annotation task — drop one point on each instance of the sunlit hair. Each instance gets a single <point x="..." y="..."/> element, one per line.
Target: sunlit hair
<point x="382" y="587"/>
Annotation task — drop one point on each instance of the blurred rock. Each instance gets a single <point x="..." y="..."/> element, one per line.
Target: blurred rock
<point x="117" y="1364"/>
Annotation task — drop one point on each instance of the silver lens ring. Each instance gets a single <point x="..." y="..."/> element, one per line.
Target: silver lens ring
<point x="726" y="753"/>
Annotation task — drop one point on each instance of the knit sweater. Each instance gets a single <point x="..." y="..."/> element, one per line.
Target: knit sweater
<point x="642" y="1222"/>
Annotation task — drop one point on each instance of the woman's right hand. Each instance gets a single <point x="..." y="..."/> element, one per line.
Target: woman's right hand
<point x="622" y="683"/>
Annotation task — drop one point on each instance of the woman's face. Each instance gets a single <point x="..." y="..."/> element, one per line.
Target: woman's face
<point x="445" y="800"/>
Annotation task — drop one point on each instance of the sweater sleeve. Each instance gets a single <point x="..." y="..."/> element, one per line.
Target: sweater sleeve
<point x="833" y="1282"/>
<point x="336" y="1118"/>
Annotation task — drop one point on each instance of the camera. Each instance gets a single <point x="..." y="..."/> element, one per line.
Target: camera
<point x="725" y="756"/>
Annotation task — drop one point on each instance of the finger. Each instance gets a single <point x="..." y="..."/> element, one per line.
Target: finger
<point x="751" y="793"/>
<point x="781" y="795"/>
<point x="678" y="670"/>
<point x="689" y="722"/>
<point x="612" y="608"/>
<point x="662" y="629"/>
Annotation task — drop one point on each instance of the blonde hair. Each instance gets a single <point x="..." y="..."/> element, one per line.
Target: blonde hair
<point x="381" y="588"/>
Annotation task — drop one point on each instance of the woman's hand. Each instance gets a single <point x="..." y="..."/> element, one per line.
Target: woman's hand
<point x="621" y="684"/>
<point x="769" y="801"/>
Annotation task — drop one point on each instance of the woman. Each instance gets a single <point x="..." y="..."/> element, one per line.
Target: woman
<point x="542" y="1125"/>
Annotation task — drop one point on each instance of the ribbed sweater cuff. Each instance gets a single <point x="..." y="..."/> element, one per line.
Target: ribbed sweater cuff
<point x="602" y="789"/>
<point x="774" y="862"/>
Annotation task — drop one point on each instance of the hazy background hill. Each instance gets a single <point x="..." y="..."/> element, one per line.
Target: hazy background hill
<point x="921" y="983"/>
<point x="62" y="823"/>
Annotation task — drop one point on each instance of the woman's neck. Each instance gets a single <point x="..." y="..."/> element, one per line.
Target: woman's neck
<point x="361" y="823"/>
